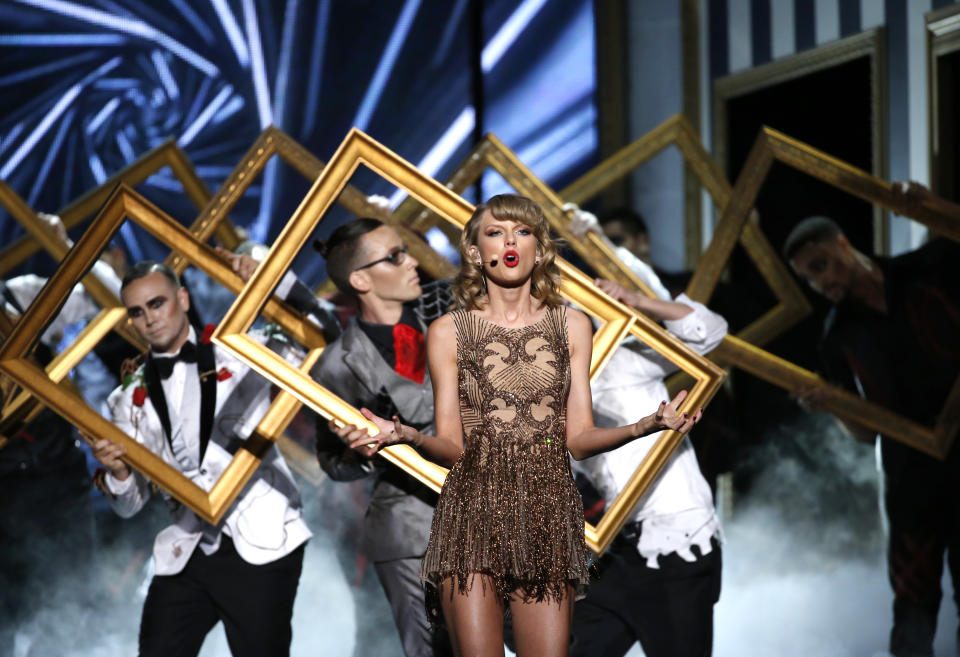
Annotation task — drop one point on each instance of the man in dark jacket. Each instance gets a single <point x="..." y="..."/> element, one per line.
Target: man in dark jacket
<point x="893" y="335"/>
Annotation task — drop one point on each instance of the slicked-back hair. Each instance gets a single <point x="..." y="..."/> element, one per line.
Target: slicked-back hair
<point x="468" y="287"/>
<point x="632" y="220"/>
<point x="342" y="251"/>
<point x="147" y="267"/>
<point x="811" y="230"/>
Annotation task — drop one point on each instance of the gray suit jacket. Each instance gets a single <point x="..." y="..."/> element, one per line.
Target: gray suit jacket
<point x="397" y="522"/>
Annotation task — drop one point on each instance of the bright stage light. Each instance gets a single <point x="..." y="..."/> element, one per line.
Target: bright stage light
<point x="166" y="78"/>
<point x="61" y="40"/>
<point x="283" y="66"/>
<point x="102" y="115"/>
<point x="205" y="116"/>
<point x="316" y="67"/>
<point x="126" y="25"/>
<point x="48" y="160"/>
<point x="68" y="97"/>
<point x="45" y="69"/>
<point x="441" y="151"/>
<point x="508" y="33"/>
<point x="126" y="148"/>
<point x="232" y="30"/>
<point x="258" y="69"/>
<point x="385" y="65"/>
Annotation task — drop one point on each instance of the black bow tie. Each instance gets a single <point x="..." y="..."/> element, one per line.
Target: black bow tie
<point x="164" y="365"/>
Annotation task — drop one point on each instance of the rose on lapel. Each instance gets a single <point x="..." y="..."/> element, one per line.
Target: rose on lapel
<point x="223" y="374"/>
<point x="139" y="396"/>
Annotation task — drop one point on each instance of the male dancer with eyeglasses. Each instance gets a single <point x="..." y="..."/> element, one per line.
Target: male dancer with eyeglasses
<point x="194" y="404"/>
<point x="379" y="362"/>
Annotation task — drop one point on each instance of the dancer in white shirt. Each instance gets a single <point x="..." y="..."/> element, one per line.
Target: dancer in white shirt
<point x="660" y="579"/>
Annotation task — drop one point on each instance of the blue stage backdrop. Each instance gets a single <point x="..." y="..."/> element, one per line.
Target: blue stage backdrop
<point x="89" y="86"/>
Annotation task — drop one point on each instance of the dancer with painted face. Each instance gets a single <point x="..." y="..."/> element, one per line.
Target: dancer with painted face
<point x="193" y="404"/>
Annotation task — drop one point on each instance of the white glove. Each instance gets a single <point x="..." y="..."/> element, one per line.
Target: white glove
<point x="55" y="223"/>
<point x="380" y="202"/>
<point x="582" y="221"/>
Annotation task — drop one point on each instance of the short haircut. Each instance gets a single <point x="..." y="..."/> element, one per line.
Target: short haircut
<point x="630" y="218"/>
<point x="811" y="230"/>
<point x="343" y="253"/>
<point x="147" y="267"/>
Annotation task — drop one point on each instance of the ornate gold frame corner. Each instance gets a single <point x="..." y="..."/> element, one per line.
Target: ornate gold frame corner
<point x="24" y="407"/>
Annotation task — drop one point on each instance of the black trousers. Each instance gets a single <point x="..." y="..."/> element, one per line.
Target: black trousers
<point x="669" y="610"/>
<point x="923" y="508"/>
<point x="255" y="604"/>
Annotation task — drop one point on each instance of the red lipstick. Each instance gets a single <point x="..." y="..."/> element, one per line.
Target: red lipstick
<point x="511" y="258"/>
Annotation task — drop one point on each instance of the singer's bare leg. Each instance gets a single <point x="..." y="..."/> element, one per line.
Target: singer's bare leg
<point x="542" y="629"/>
<point x="475" y="621"/>
<point x="474" y="618"/>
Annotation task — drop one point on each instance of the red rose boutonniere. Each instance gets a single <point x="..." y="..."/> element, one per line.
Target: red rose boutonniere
<point x="132" y="373"/>
<point x="223" y="374"/>
<point x="207" y="333"/>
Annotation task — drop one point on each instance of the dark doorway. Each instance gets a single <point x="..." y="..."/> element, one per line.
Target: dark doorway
<point x="946" y="140"/>
<point x="831" y="109"/>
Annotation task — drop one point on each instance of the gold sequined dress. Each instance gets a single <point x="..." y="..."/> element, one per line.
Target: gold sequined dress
<point x="509" y="507"/>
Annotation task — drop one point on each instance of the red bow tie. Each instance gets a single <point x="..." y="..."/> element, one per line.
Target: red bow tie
<point x="410" y="353"/>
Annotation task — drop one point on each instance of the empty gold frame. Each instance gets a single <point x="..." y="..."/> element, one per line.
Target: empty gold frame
<point x="24" y="407"/>
<point x="792" y="305"/>
<point x="168" y="154"/>
<point x="274" y="141"/>
<point x="493" y="154"/>
<point x="772" y="145"/>
<point x="618" y="321"/>
<point x="128" y="204"/>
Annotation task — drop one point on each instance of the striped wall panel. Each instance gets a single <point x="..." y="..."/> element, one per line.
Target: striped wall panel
<point x="742" y="34"/>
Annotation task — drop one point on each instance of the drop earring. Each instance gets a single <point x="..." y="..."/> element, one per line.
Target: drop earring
<point x="483" y="277"/>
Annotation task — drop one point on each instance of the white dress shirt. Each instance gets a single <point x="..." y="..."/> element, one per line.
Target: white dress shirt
<point x="677" y="511"/>
<point x="182" y="392"/>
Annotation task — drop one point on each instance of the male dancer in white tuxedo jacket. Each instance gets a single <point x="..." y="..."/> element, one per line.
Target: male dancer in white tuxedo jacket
<point x="200" y="404"/>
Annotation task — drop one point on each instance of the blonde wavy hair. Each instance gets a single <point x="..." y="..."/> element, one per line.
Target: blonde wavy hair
<point x="468" y="286"/>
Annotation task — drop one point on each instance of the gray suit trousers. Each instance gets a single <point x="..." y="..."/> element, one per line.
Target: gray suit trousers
<point x="401" y="582"/>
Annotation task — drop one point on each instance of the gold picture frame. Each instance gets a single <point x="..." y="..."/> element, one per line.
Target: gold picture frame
<point x="275" y="142"/>
<point x="792" y="305"/>
<point x="771" y="145"/>
<point x="871" y="44"/>
<point x="23" y="408"/>
<point x="124" y="204"/>
<point x="24" y="215"/>
<point x="619" y="320"/>
<point x="167" y="154"/>
<point x="491" y="153"/>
